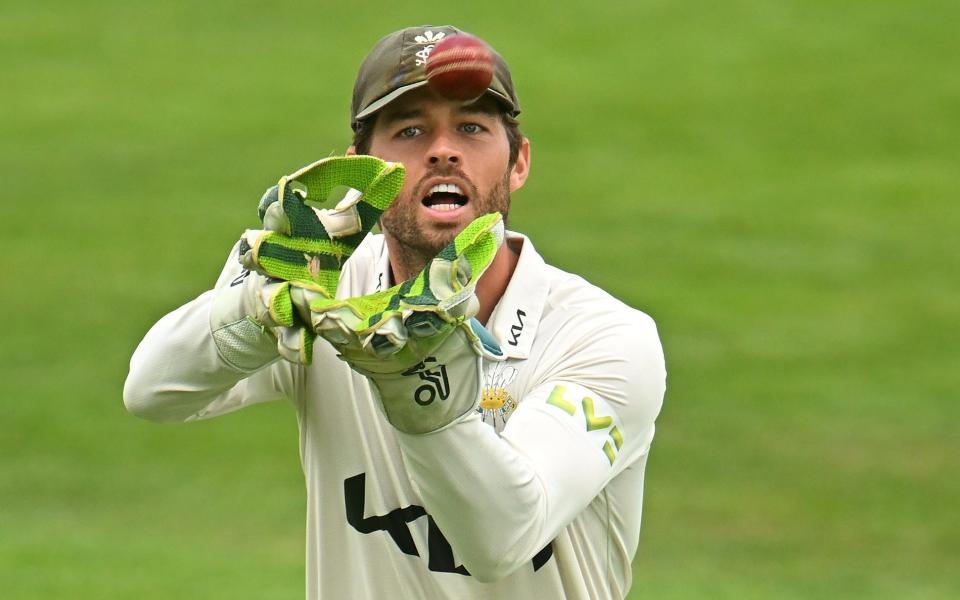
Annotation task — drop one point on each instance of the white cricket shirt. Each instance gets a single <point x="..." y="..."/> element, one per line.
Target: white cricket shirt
<point x="535" y="495"/>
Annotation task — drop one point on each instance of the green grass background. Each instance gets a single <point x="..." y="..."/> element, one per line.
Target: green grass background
<point x="776" y="182"/>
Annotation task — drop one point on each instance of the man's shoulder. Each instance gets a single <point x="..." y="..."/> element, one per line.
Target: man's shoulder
<point x="574" y="296"/>
<point x="587" y="335"/>
<point x="555" y="302"/>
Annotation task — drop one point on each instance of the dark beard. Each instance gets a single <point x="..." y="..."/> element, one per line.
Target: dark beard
<point x="413" y="248"/>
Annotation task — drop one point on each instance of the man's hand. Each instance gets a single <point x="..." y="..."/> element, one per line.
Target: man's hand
<point x="417" y="342"/>
<point x="307" y="245"/>
<point x="302" y="247"/>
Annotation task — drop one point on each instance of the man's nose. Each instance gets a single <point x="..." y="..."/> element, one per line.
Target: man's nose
<point x="444" y="152"/>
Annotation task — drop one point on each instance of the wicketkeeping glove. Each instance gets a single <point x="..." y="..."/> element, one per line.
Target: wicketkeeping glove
<point x="303" y="247"/>
<point x="417" y="342"/>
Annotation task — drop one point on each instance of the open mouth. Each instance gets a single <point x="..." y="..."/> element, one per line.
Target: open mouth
<point x="445" y="197"/>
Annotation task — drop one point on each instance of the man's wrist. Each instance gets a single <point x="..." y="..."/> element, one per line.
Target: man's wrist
<point x="242" y="341"/>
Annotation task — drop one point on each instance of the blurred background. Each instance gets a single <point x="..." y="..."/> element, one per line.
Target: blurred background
<point x="776" y="182"/>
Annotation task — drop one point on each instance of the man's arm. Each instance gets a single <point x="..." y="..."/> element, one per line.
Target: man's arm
<point x="178" y="374"/>
<point x="590" y="418"/>
<point x="209" y="356"/>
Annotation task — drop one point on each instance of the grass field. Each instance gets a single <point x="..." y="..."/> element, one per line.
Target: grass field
<point x="776" y="182"/>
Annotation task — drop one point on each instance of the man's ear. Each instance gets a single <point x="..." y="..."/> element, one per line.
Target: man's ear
<point x="521" y="168"/>
<point x="351" y="151"/>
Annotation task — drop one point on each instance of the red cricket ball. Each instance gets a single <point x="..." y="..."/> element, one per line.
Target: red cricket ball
<point x="460" y="67"/>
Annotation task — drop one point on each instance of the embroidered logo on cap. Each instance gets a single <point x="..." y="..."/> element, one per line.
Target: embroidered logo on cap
<point x="428" y="39"/>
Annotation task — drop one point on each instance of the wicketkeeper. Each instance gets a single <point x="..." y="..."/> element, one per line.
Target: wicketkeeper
<point x="474" y="423"/>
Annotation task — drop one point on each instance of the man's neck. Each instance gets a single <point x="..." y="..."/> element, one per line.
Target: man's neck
<point x="494" y="282"/>
<point x="490" y="287"/>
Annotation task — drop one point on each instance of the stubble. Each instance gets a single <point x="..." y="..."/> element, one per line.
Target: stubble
<point x="415" y="243"/>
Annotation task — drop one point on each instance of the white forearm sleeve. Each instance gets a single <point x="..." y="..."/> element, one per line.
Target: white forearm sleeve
<point x="176" y="373"/>
<point x="500" y="500"/>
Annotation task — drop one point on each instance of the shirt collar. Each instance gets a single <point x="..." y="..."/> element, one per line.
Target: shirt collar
<point x="515" y="318"/>
<point x="382" y="271"/>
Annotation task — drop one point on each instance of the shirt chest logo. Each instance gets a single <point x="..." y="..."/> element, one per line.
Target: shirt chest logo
<point x="496" y="402"/>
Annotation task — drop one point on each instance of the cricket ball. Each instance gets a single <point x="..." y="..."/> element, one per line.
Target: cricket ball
<point x="460" y="67"/>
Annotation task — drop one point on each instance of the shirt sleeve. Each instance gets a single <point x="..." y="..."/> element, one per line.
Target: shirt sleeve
<point x="500" y="499"/>
<point x="176" y="373"/>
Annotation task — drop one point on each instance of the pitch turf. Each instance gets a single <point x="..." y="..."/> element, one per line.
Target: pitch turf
<point x="776" y="182"/>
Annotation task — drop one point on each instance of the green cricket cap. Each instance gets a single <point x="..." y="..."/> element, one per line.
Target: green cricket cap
<point x="398" y="64"/>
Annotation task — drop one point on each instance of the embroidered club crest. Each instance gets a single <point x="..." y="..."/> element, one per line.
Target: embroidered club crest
<point x="496" y="403"/>
<point x="428" y="39"/>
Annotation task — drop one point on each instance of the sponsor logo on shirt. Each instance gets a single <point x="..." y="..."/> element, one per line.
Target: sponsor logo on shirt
<point x="593" y="412"/>
<point x="439" y="552"/>
<point x="516" y="330"/>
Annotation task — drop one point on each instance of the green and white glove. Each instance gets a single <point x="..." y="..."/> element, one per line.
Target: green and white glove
<point x="418" y="342"/>
<point x="301" y="250"/>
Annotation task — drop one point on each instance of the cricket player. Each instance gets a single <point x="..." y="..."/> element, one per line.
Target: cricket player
<point x="474" y="423"/>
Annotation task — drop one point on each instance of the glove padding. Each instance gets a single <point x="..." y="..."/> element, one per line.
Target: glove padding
<point x="417" y="342"/>
<point x="303" y="248"/>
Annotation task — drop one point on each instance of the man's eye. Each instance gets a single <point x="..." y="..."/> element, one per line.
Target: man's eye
<point x="409" y="132"/>
<point x="471" y="128"/>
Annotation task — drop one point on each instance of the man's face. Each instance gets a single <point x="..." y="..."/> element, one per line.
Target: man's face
<point x="457" y="167"/>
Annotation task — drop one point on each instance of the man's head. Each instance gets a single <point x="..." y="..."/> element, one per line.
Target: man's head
<point x="397" y="64"/>
<point x="463" y="159"/>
